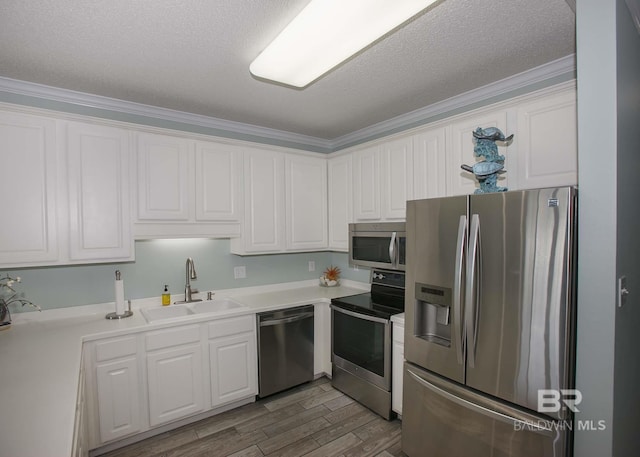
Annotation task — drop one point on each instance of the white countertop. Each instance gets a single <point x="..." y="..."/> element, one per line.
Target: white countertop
<point x="41" y="355"/>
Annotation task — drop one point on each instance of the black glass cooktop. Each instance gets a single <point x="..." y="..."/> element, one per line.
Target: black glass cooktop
<point x="365" y="304"/>
<point x="385" y="299"/>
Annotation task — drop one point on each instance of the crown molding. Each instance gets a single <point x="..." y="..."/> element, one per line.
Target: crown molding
<point x="222" y="126"/>
<point x="565" y="66"/>
<point x="146" y="114"/>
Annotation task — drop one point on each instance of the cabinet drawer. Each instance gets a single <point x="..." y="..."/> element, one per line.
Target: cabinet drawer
<point x="112" y="349"/>
<point x="231" y="326"/>
<point x="173" y="337"/>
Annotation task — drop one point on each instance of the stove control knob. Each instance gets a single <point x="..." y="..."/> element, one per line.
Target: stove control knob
<point x="378" y="276"/>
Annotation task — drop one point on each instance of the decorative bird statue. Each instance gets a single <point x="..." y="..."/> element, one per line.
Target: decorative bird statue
<point x="486" y="172"/>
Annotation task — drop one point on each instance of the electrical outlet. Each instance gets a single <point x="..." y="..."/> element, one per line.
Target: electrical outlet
<point x="239" y="272"/>
<point x="355" y="268"/>
<point x="312" y="265"/>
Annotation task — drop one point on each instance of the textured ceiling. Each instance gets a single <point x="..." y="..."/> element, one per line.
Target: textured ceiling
<point x="194" y="56"/>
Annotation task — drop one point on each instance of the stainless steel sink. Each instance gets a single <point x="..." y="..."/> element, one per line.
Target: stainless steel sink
<point x="216" y="306"/>
<point x="165" y="312"/>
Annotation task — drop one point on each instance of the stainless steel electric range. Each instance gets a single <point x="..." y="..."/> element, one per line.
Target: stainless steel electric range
<point x="361" y="341"/>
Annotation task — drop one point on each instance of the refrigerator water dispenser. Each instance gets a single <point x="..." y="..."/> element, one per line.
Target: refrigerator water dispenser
<point x="433" y="314"/>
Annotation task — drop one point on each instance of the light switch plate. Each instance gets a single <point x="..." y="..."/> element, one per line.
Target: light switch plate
<point x="312" y="265"/>
<point x="239" y="272"/>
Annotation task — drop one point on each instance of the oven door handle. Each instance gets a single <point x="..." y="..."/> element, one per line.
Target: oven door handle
<point x="360" y="316"/>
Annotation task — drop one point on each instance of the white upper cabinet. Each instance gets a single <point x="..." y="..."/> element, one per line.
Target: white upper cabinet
<point x="382" y="180"/>
<point x="461" y="182"/>
<point x="187" y="188"/>
<point x="340" y="194"/>
<point x="306" y="202"/>
<point x="366" y="184"/>
<point x="68" y="184"/>
<point x="29" y="185"/>
<point x="285" y="203"/>
<point x="218" y="182"/>
<point x="98" y="178"/>
<point x="163" y="177"/>
<point x="429" y="163"/>
<point x="263" y="229"/>
<point x="547" y="141"/>
<point x="397" y="177"/>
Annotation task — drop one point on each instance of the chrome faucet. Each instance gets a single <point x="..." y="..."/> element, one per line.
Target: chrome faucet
<point x="190" y="274"/>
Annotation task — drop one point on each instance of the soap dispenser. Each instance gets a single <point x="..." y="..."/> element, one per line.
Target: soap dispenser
<point x="166" y="296"/>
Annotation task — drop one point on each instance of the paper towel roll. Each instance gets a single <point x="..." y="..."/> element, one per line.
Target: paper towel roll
<point x="120" y="309"/>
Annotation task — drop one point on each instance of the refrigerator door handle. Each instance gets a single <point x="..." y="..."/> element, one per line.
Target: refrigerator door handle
<point x="392" y="249"/>
<point x="458" y="333"/>
<point x="471" y="300"/>
<point x="538" y="426"/>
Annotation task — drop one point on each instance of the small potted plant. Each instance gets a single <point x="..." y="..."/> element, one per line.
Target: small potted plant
<point x="330" y="277"/>
<point x="8" y="296"/>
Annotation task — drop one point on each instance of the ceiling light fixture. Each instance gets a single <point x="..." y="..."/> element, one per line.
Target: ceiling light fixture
<point x="326" y="33"/>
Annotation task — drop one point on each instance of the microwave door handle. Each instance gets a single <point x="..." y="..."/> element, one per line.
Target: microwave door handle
<point x="458" y="329"/>
<point x="392" y="249"/>
<point x="471" y="291"/>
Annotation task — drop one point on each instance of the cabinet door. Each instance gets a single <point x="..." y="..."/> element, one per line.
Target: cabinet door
<point x="218" y="180"/>
<point x="163" y="178"/>
<point x="462" y="182"/>
<point x="98" y="176"/>
<point x="233" y="364"/>
<point x="264" y="202"/>
<point x="366" y="184"/>
<point x="397" y="178"/>
<point x="176" y="387"/>
<point x="28" y="160"/>
<point x="118" y="398"/>
<point x="429" y="164"/>
<point x="340" y="201"/>
<point x="306" y="202"/>
<point x="547" y="142"/>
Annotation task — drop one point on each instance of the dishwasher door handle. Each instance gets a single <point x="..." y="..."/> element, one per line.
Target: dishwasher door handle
<point x="286" y="320"/>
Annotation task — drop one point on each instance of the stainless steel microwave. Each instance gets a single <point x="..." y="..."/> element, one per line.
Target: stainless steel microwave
<point x="378" y="244"/>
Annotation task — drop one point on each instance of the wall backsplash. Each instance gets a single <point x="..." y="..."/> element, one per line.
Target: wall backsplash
<point x="160" y="262"/>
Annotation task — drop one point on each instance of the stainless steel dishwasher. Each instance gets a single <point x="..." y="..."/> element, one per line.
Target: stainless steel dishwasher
<point x="285" y="349"/>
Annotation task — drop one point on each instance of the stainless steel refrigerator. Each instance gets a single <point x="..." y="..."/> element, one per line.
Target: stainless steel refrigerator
<point x="489" y="312"/>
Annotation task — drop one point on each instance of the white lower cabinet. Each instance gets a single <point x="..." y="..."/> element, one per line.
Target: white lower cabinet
<point x="116" y="375"/>
<point x="135" y="383"/>
<point x="397" y="361"/>
<point x="175" y="383"/>
<point x="232" y="360"/>
<point x="322" y="339"/>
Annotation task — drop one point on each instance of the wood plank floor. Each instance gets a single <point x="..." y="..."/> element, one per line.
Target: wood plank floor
<point x="312" y="420"/>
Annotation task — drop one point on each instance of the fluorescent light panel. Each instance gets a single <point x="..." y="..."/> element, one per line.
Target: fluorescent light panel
<point x="326" y="33"/>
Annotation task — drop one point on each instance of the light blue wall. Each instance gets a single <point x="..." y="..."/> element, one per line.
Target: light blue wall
<point x="626" y="396"/>
<point x="160" y="262"/>
<point x="596" y="89"/>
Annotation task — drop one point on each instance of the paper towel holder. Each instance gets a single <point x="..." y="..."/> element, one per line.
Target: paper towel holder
<point x="127" y="313"/>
